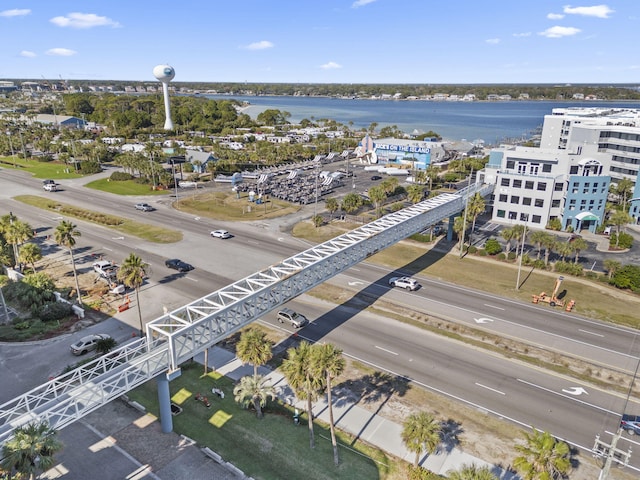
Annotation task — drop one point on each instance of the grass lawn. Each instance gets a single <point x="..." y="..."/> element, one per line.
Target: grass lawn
<point x="126" y="187"/>
<point x="145" y="231"/>
<point x="270" y="448"/>
<point x="53" y="170"/>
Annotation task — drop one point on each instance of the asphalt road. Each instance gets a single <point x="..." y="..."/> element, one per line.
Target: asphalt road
<point x="522" y="394"/>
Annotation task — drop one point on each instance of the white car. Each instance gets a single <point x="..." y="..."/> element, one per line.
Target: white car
<point x="220" y="234"/>
<point x="145" y="207"/>
<point x="404" y="282"/>
<point x="88" y="343"/>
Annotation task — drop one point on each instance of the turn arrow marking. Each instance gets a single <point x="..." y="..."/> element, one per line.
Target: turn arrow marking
<point x="483" y="320"/>
<point x="353" y="284"/>
<point x="575" y="391"/>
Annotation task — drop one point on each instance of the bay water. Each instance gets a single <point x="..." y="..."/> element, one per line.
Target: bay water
<point x="492" y="122"/>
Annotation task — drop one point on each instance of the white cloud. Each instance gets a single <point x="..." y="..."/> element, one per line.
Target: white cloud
<point x="492" y="41"/>
<point x="361" y="3"/>
<point x="262" y="45"/>
<point x="27" y="53"/>
<point x="559" y="32"/>
<point x="84" y="20"/>
<point x="555" y="16"/>
<point x="330" y="66"/>
<point x="600" y="11"/>
<point x="523" y="34"/>
<point x="16" y="12"/>
<point x="61" y="52"/>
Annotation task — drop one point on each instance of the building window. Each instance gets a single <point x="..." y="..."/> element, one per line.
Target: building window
<point x="546" y="168"/>
<point x="504" y="182"/>
<point x="533" y="169"/>
<point x="536" y="218"/>
<point x="503" y="198"/>
<point x="517" y="184"/>
<point x="558" y="187"/>
<point x="542" y="186"/>
<point x="515" y="199"/>
<point x="500" y="214"/>
<point x="573" y="170"/>
<point x="524" y="217"/>
<point x="555" y="203"/>
<point x="522" y="169"/>
<point x="526" y="200"/>
<point x="511" y="164"/>
<point x="528" y="185"/>
<point x="539" y="202"/>
<point x="513" y="215"/>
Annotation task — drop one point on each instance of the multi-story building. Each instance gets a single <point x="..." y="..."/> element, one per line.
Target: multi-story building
<point x="582" y="151"/>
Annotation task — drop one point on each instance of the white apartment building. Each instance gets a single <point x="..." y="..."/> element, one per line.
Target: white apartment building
<point x="582" y="151"/>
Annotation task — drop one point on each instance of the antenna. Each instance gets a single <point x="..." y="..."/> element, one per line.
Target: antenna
<point x="165" y="73"/>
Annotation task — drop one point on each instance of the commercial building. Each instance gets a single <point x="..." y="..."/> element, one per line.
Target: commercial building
<point x="582" y="151"/>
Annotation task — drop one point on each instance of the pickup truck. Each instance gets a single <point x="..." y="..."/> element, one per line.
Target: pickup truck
<point x="50" y="187"/>
<point x="105" y="268"/>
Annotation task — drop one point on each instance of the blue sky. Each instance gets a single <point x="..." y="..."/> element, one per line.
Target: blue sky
<point x="323" y="41"/>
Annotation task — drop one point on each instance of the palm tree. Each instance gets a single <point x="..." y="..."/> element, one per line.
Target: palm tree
<point x="508" y="234"/>
<point x="254" y="348"/>
<point x="543" y="457"/>
<point x="252" y="390"/>
<point x="611" y="266"/>
<point x="16" y="233"/>
<point x="618" y="219"/>
<point x="549" y="244"/>
<point x="299" y="371"/>
<point x="475" y="208"/>
<point x="31" y="449"/>
<point x="420" y="432"/>
<point x="30" y="253"/>
<point x="415" y="193"/>
<point x="579" y="245"/>
<point x="377" y="196"/>
<point x="132" y="273"/>
<point x="564" y="249"/>
<point x="330" y="363"/>
<point x="471" y="472"/>
<point x="332" y="205"/>
<point x="65" y="235"/>
<point x="538" y="238"/>
<point x="624" y="189"/>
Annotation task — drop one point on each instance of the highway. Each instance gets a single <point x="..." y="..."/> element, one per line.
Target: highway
<point x="505" y="388"/>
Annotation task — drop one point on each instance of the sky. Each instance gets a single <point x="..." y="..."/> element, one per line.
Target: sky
<point x="323" y="41"/>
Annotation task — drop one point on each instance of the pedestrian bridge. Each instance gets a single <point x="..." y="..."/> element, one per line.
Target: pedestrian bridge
<point x="179" y="335"/>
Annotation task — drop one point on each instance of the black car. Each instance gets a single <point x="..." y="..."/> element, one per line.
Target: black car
<point x="178" y="265"/>
<point x="376" y="177"/>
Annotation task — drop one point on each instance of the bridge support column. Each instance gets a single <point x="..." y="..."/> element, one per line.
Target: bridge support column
<point x="450" y="228"/>
<point x="164" y="399"/>
<point x="164" y="402"/>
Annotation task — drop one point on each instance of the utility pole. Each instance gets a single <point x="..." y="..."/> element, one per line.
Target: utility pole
<point x="524" y="236"/>
<point x="464" y="218"/>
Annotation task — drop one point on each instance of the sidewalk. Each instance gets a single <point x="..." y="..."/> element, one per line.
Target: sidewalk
<point x="353" y="419"/>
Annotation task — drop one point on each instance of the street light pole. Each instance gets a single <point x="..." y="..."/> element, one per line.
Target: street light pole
<point x="524" y="235"/>
<point x="175" y="181"/>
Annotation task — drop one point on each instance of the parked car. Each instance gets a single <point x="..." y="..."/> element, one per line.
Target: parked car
<point x="88" y="343"/>
<point x="145" y="207"/>
<point x="376" y="177"/>
<point x="404" y="282"/>
<point x="178" y="265"/>
<point x="630" y="424"/>
<point x="220" y="234"/>
<point x="294" y="318"/>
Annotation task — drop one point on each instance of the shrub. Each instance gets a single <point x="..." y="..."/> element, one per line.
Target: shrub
<point x="482" y="253"/>
<point x="472" y="249"/>
<point x="512" y="256"/>
<point x="44" y="158"/>
<point x="396" y="206"/>
<point x="90" y="166"/>
<point x="626" y="240"/>
<point x="501" y="256"/>
<point x="627" y="277"/>
<point x="492" y="246"/>
<point x="120" y="176"/>
<point x="421" y="237"/>
<point x="54" y="311"/>
<point x="570" y="268"/>
<point x="554" y="224"/>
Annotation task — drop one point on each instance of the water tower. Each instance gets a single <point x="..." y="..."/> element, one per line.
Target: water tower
<point x="165" y="74"/>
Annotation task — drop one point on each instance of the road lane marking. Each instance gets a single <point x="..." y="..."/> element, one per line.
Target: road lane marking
<point x="539" y="387"/>
<point x="385" y="350"/>
<point x="489" y="388"/>
<point x="192" y="279"/>
<point x="590" y="333"/>
<point x="493" y="306"/>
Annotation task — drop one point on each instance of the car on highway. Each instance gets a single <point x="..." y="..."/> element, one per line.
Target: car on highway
<point x="404" y="282"/>
<point x="630" y="424"/>
<point x="220" y="234"/>
<point x="178" y="265"/>
<point x="50" y="187"/>
<point x="296" y="319"/>
<point x="145" y="207"/>
<point x="88" y="343"/>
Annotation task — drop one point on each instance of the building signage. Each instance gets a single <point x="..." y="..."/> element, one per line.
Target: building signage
<point x="402" y="148"/>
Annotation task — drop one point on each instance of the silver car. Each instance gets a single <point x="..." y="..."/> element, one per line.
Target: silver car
<point x="88" y="343"/>
<point x="289" y="316"/>
<point x="404" y="282"/>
